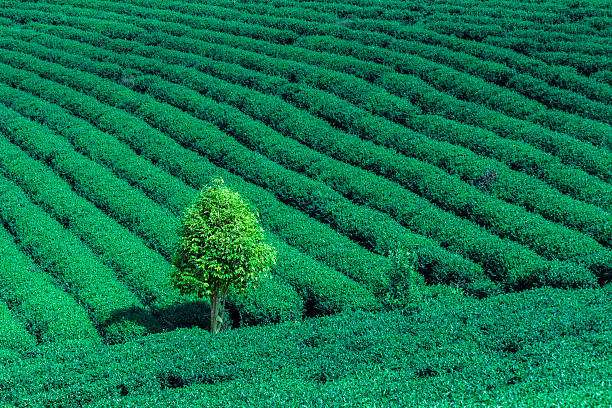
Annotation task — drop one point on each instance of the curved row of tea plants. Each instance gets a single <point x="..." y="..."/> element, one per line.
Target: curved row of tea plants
<point x="51" y="313"/>
<point x="527" y="42"/>
<point x="142" y="269"/>
<point x="338" y="292"/>
<point x="512" y="350"/>
<point x="444" y="56"/>
<point x="285" y="151"/>
<point x="190" y="45"/>
<point x="495" y="73"/>
<point x="275" y="85"/>
<point x="406" y="207"/>
<point x="160" y="115"/>
<point x="558" y="76"/>
<point x="587" y="64"/>
<point x="259" y="108"/>
<point x="561" y="148"/>
<point x="166" y="153"/>
<point x="156" y="225"/>
<point x="14" y="338"/>
<point x="323" y="287"/>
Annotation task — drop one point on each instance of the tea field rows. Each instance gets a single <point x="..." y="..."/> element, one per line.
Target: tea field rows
<point x="353" y="133"/>
<point x="474" y="138"/>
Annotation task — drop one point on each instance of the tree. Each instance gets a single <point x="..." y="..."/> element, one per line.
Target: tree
<point x="222" y="248"/>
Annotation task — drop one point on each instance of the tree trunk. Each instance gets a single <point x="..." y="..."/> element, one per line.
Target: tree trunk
<point x="214" y="313"/>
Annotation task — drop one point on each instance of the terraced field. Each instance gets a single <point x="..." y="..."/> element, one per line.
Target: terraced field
<point x="475" y="136"/>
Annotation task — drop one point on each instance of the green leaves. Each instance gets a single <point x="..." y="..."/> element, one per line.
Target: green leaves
<point x="222" y="246"/>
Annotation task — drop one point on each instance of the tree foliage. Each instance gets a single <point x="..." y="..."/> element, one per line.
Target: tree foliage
<point x="221" y="249"/>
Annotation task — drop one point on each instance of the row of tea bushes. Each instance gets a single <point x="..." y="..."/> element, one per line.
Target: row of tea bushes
<point x="50" y="313"/>
<point x="488" y="70"/>
<point x="185" y="132"/>
<point x="494" y="72"/>
<point x="14" y="337"/>
<point x="127" y="27"/>
<point x="573" y="123"/>
<point x="528" y="42"/>
<point x="560" y="76"/>
<point x="117" y="197"/>
<point x="493" y="352"/>
<point x="583" y="218"/>
<point x="155" y="224"/>
<point x="563" y="178"/>
<point x="384" y="29"/>
<point x="113" y="309"/>
<point x="566" y="184"/>
<point x="584" y="64"/>
<point x="512" y="186"/>
<point x="587" y="64"/>
<point x="369" y="227"/>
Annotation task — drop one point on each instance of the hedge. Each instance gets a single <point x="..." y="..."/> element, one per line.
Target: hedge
<point x="515" y="349"/>
<point x="355" y="224"/>
<point x="114" y="310"/>
<point x="14" y="337"/>
<point x="191" y="168"/>
<point x="50" y="313"/>
<point x="316" y="129"/>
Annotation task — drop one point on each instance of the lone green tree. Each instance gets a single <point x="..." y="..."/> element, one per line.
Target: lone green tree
<point x="222" y="248"/>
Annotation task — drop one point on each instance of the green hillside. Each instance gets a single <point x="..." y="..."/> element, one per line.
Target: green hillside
<point x="473" y="137"/>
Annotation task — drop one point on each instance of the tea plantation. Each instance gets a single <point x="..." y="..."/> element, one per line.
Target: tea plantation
<point x="383" y="143"/>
